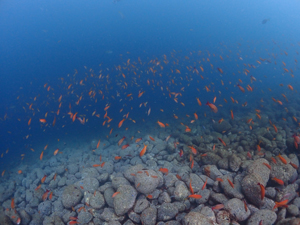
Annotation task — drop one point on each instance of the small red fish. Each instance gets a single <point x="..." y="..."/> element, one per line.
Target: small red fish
<point x="249" y="155"/>
<point x="193" y="150"/>
<point x="164" y="170"/>
<point x="45" y="195"/>
<point x="51" y="195"/>
<point x="245" y="206"/>
<point x="230" y="182"/>
<point x="282" y="159"/>
<point x="181" y="153"/>
<point x="43" y="179"/>
<point x="115" y="194"/>
<point x="195" y="196"/>
<point x="294" y="165"/>
<point x="204" y="185"/>
<point x="278" y="181"/>
<point x="125" y="146"/>
<point x="121" y="123"/>
<point x="267" y="165"/>
<point x="191" y="188"/>
<point x="216" y="207"/>
<point x="273" y="160"/>
<point x="55" y="152"/>
<point x="161" y="124"/>
<point x="262" y="191"/>
<point x="12" y="204"/>
<point x="281" y="204"/>
<point x="151" y="138"/>
<point x="223" y="142"/>
<point x="212" y="107"/>
<point x="143" y="150"/>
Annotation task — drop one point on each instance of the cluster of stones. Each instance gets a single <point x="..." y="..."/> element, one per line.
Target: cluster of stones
<point x="148" y="196"/>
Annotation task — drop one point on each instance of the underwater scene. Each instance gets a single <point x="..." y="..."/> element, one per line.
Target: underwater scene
<point x="149" y="112"/>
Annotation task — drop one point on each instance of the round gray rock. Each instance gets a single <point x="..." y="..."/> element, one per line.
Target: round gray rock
<point x="97" y="200"/>
<point x="167" y="211"/>
<point x="118" y="182"/>
<point x="125" y="200"/>
<point x="259" y="168"/>
<point x="88" y="184"/>
<point x="141" y="205"/>
<point x="251" y="189"/>
<point x="181" y="192"/>
<point x="220" y="127"/>
<point x="45" y="208"/>
<point x="265" y="215"/>
<point x="146" y="184"/>
<point x="196" y="218"/>
<point x="149" y="216"/>
<point x="71" y="196"/>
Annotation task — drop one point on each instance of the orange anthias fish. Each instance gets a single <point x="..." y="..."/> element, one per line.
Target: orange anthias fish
<point x="278" y="181"/>
<point x="138" y="140"/>
<point x="283" y="160"/>
<point x="195" y="115"/>
<point x="151" y="138"/>
<point x="45" y="195"/>
<point x="216" y="207"/>
<point x="143" y="150"/>
<point x="51" y="195"/>
<point x="195" y="196"/>
<point x="121" y="122"/>
<point x="204" y="185"/>
<point x="220" y="70"/>
<point x="187" y="129"/>
<point x="161" y="124"/>
<point x="192" y="164"/>
<point x="290" y="87"/>
<point x="199" y="102"/>
<point x="191" y="188"/>
<point x="275" y="128"/>
<point x="115" y="194"/>
<point x="280" y="204"/>
<point x="121" y="140"/>
<point x="125" y="146"/>
<point x="41" y="156"/>
<point x="38" y="187"/>
<point x="164" y="170"/>
<point x="262" y="191"/>
<point x="241" y="88"/>
<point x="223" y="142"/>
<point x="193" y="150"/>
<point x="212" y="107"/>
<point x="43" y="179"/>
<point x="12" y="204"/>
<point x="230" y="182"/>
<point x="56" y="151"/>
<point x="43" y="120"/>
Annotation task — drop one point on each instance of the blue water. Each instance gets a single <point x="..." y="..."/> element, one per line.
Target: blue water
<point x="46" y="41"/>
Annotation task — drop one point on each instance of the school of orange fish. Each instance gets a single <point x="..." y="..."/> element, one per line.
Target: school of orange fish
<point x="184" y="83"/>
